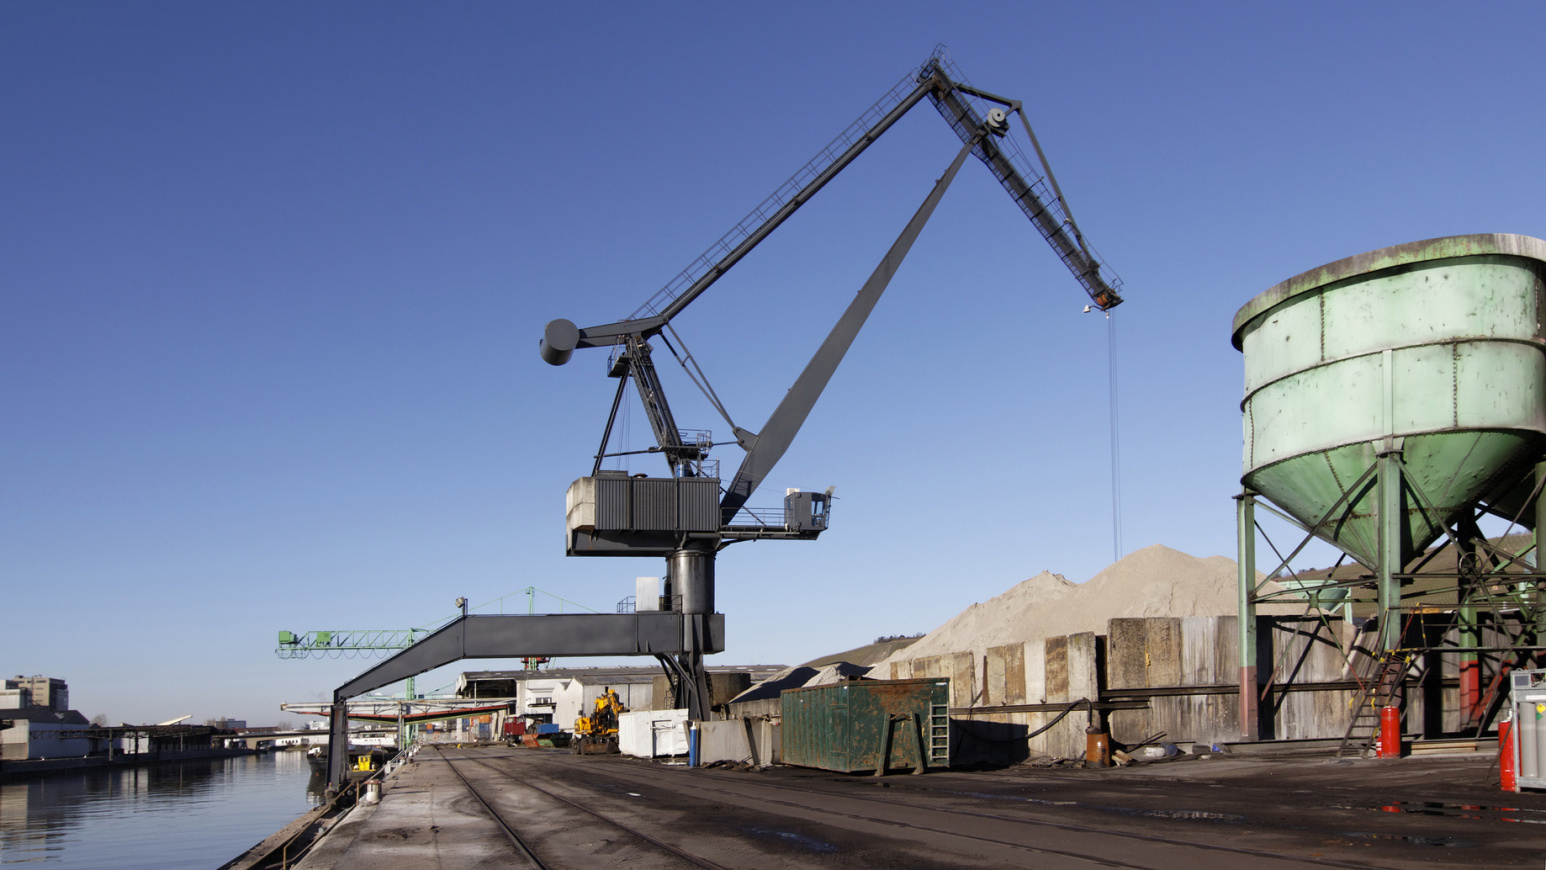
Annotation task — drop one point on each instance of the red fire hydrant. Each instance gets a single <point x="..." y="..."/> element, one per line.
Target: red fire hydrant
<point x="1506" y="755"/>
<point x="1390" y="732"/>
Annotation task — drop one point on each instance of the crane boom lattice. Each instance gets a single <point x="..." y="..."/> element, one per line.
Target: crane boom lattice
<point x="323" y="644"/>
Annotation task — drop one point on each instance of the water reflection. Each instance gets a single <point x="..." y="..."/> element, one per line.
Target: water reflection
<point x="187" y="814"/>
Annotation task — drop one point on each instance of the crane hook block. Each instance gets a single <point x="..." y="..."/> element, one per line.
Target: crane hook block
<point x="558" y="342"/>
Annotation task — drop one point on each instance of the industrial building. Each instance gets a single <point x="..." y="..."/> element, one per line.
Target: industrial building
<point x="36" y="721"/>
<point x="38" y="731"/>
<point x="50" y="692"/>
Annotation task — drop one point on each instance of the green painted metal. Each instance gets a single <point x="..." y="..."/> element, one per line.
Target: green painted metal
<point x="844" y="727"/>
<point x="1430" y="351"/>
<point x="322" y="644"/>
<point x="1245" y="527"/>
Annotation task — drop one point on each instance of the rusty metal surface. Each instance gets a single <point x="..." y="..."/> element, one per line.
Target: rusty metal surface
<point x="842" y="727"/>
<point x="1507" y="244"/>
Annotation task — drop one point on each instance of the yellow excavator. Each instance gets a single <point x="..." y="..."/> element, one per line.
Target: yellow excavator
<point x="596" y="734"/>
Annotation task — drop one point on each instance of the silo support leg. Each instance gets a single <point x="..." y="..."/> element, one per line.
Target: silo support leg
<point x="1390" y="522"/>
<point x="1540" y="546"/>
<point x="1470" y="668"/>
<point x="1245" y="516"/>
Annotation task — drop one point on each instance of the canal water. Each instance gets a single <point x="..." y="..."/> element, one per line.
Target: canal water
<point x="191" y="814"/>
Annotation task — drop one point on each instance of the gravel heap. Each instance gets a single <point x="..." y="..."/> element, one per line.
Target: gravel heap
<point x="1155" y="581"/>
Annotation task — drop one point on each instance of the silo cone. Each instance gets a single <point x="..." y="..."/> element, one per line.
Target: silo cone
<point x="1389" y="393"/>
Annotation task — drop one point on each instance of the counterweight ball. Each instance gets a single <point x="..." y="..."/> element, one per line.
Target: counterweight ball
<point x="558" y="342"/>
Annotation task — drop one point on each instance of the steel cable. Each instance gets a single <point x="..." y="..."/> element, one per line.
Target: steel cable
<point x="1116" y="464"/>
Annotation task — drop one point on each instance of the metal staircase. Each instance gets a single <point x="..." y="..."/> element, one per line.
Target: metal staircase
<point x="1380" y="691"/>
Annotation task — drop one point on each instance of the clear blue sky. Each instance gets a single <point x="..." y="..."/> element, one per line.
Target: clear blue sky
<point x="272" y="277"/>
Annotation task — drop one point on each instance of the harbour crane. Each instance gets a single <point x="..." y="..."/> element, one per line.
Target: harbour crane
<point x="688" y="515"/>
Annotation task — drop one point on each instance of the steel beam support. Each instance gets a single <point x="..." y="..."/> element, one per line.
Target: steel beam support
<point x="338" y="743"/>
<point x="1391" y="561"/>
<point x="1469" y="633"/>
<point x="1245" y="525"/>
<point x="515" y="636"/>
<point x="1470" y="665"/>
<point x="768" y="446"/>
<point x="1540" y="538"/>
<point x="1540" y="514"/>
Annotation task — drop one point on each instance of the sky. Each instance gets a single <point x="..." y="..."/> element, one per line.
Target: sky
<point x="272" y="278"/>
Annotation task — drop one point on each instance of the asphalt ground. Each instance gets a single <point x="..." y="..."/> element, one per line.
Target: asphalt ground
<point x="504" y="807"/>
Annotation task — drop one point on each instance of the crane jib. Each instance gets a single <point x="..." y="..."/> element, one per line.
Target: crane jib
<point x="979" y="118"/>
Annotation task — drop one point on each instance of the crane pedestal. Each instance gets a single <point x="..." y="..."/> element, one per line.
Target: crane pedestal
<point x="690" y="581"/>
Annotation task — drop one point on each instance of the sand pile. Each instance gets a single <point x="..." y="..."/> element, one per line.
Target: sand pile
<point x="1155" y="581"/>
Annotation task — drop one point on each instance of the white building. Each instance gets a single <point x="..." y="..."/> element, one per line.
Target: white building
<point x="38" y="732"/>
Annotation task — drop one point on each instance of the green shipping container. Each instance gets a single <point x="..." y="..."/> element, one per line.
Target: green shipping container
<point x="849" y="727"/>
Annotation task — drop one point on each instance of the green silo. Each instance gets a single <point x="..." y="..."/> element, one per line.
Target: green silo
<point x="1389" y="393"/>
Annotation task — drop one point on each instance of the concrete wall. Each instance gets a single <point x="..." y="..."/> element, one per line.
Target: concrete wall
<point x="743" y="741"/>
<point x="1300" y="661"/>
<point x="1057" y="671"/>
<point x="956" y="667"/>
<point x="1167" y="652"/>
<point x="1306" y="652"/>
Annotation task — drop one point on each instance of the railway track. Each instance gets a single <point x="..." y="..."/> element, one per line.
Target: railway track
<point x="521" y="843"/>
<point x="951" y="831"/>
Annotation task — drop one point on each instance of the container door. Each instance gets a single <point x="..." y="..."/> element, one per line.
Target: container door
<point x="837" y="725"/>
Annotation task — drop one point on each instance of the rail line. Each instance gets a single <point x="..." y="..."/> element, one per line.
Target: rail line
<point x="525" y="848"/>
<point x="667" y="781"/>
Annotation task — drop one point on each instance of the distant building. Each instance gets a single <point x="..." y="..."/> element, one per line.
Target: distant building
<point x="38" y="732"/>
<point x="50" y="692"/>
<point x="36" y="722"/>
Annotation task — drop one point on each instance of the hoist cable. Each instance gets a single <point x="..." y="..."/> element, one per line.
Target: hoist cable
<point x="1116" y="449"/>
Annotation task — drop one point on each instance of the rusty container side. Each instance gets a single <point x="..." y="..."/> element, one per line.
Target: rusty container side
<point x="843" y="727"/>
